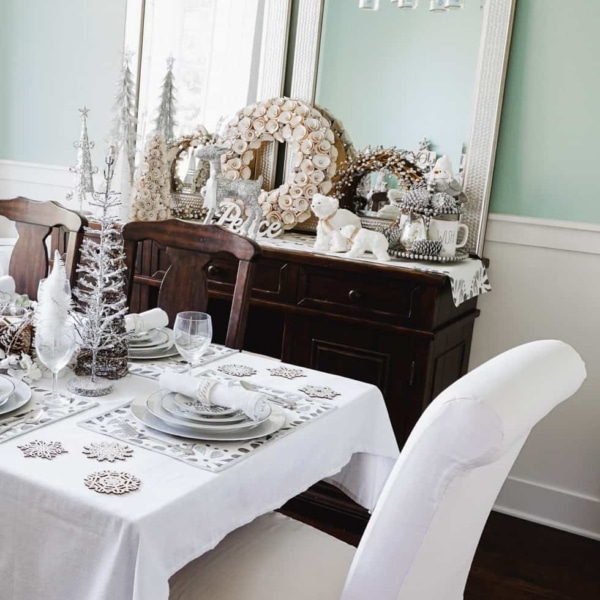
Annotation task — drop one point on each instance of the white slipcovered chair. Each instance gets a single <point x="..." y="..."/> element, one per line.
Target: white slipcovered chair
<point x="421" y="539"/>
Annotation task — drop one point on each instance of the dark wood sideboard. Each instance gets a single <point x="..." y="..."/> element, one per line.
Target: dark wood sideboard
<point x="393" y="327"/>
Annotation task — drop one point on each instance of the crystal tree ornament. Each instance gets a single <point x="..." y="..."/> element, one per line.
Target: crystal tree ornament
<point x="83" y="170"/>
<point x="151" y="199"/>
<point x="165" y="121"/>
<point x="122" y="135"/>
<point x="100" y="317"/>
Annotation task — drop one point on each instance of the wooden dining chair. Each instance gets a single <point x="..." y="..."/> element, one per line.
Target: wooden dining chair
<point x="190" y="247"/>
<point x="35" y="221"/>
<point x="422" y="536"/>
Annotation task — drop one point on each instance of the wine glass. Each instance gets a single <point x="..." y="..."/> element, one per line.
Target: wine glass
<point x="192" y="335"/>
<point x="55" y="347"/>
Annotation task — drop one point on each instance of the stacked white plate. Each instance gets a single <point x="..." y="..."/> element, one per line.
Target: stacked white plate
<point x="153" y="344"/>
<point x="13" y="395"/>
<point x="179" y="415"/>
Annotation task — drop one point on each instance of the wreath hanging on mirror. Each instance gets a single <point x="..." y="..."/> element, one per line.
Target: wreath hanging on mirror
<point x="389" y="160"/>
<point x="314" y="154"/>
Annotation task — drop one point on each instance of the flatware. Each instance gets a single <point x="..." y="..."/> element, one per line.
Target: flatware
<point x="285" y="402"/>
<point x="29" y="417"/>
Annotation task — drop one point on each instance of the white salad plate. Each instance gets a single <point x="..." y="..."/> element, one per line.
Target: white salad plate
<point x="7" y="387"/>
<point x="17" y="399"/>
<point x="275" y="422"/>
<point x="228" y="415"/>
<point x="154" y="406"/>
<point x="152" y="339"/>
<point x="151" y="353"/>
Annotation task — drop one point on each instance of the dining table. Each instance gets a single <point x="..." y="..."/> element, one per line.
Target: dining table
<point x="65" y="537"/>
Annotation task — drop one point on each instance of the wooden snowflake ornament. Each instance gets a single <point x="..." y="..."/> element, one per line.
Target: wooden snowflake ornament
<point x="39" y="449"/>
<point x="109" y="451"/>
<point x="112" y="482"/>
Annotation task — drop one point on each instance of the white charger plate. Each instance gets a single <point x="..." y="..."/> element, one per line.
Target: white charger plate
<point x="7" y="387"/>
<point x="274" y="423"/>
<point x="152" y="354"/>
<point x="178" y="409"/>
<point x="17" y="399"/>
<point x="154" y="406"/>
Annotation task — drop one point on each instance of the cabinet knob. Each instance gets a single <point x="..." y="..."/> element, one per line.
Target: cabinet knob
<point x="214" y="271"/>
<point x="355" y="295"/>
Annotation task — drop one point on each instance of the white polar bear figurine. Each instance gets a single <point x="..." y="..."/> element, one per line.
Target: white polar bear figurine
<point x="365" y="240"/>
<point x="331" y="219"/>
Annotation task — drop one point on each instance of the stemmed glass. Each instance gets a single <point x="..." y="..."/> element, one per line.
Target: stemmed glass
<point x="55" y="347"/>
<point x="192" y="335"/>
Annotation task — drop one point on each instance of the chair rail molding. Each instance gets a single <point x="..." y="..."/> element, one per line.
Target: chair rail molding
<point x="38" y="181"/>
<point x="569" y="236"/>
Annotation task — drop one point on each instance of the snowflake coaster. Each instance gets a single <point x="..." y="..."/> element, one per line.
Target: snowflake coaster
<point x="319" y="391"/>
<point x="287" y="372"/>
<point x="38" y="449"/>
<point x="112" y="482"/>
<point x="109" y="451"/>
<point x="237" y="370"/>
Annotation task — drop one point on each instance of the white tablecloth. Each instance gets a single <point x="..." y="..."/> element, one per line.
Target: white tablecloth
<point x="62" y="541"/>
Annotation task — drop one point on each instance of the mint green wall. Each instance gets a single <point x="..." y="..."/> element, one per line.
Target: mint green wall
<point x="55" y="56"/>
<point x="546" y="163"/>
<point x="395" y="76"/>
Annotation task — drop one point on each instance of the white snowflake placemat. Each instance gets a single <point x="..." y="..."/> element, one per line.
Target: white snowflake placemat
<point x="154" y="369"/>
<point x="212" y="456"/>
<point x="40" y="413"/>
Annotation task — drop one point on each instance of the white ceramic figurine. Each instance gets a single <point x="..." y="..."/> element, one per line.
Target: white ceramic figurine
<point x="365" y="240"/>
<point x="331" y="219"/>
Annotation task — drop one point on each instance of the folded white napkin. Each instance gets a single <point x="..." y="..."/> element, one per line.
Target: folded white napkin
<point x="7" y="284"/>
<point x="253" y="404"/>
<point x="145" y="321"/>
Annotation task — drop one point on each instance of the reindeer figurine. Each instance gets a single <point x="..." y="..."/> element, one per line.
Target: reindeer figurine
<point x="246" y="190"/>
<point x="212" y="153"/>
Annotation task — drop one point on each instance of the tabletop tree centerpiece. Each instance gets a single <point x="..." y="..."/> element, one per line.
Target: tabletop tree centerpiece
<point x="102" y="301"/>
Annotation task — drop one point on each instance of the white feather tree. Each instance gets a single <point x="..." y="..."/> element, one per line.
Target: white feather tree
<point x="54" y="298"/>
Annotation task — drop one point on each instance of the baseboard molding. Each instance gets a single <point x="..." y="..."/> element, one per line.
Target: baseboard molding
<point x="543" y="233"/>
<point x="558" y="508"/>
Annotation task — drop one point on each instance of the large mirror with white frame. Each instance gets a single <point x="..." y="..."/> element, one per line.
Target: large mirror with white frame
<point x="392" y="76"/>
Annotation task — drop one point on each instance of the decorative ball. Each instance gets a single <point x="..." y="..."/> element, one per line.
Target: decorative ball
<point x="427" y="247"/>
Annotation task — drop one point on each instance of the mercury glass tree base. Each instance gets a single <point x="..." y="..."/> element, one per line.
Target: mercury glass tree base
<point x="84" y="386"/>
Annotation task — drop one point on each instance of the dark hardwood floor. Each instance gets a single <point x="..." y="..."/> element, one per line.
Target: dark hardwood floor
<point x="519" y="560"/>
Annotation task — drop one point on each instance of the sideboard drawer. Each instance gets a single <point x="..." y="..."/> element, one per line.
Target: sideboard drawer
<point x="331" y="291"/>
<point x="270" y="281"/>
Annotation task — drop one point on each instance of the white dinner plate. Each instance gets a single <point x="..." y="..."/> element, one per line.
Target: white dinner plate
<point x="155" y="407"/>
<point x="171" y="405"/>
<point x="20" y="397"/>
<point x="153" y="353"/>
<point x="275" y="422"/>
<point x="7" y="387"/>
<point x="154" y="339"/>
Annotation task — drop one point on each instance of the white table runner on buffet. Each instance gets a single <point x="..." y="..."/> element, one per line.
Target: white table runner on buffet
<point x="68" y="542"/>
<point x="468" y="278"/>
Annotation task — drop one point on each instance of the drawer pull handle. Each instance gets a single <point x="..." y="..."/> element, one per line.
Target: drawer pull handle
<point x="214" y="271"/>
<point x="355" y="295"/>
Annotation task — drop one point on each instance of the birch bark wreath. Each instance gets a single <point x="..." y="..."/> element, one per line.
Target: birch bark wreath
<point x="311" y="140"/>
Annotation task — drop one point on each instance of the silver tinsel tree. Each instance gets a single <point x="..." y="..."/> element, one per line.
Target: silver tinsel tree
<point x="123" y="131"/>
<point x="101" y="296"/>
<point x="165" y="122"/>
<point x="83" y="170"/>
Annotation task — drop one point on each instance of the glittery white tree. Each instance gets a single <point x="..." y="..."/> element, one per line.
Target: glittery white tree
<point x="151" y="198"/>
<point x="123" y="135"/>
<point x="100" y="292"/>
<point x="165" y="122"/>
<point x="83" y="170"/>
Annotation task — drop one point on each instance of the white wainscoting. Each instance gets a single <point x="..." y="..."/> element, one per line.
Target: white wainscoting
<point x="545" y="279"/>
<point x="546" y="282"/>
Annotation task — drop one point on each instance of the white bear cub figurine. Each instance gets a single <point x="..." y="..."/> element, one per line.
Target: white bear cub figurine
<point x="365" y="240"/>
<point x="331" y="219"/>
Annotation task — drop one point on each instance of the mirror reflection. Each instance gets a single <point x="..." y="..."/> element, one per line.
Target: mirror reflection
<point x="395" y="77"/>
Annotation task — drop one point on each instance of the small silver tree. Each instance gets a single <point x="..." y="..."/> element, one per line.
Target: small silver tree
<point x="165" y="121"/>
